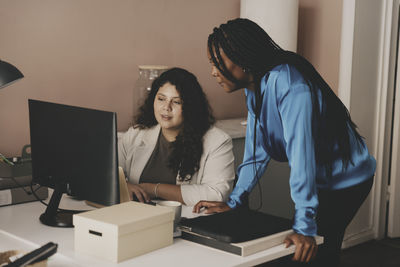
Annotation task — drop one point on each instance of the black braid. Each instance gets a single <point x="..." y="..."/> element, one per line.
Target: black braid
<point x="247" y="45"/>
<point x="214" y="43"/>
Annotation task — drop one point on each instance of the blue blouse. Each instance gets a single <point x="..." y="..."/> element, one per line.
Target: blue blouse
<point x="284" y="133"/>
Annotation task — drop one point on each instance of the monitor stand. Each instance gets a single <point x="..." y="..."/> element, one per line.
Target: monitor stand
<point x="55" y="217"/>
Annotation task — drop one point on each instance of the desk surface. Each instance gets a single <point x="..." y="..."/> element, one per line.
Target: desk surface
<point x="20" y="228"/>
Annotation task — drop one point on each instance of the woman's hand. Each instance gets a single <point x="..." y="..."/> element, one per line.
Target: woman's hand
<point x="211" y="207"/>
<point x="306" y="247"/>
<point x="148" y="189"/>
<point x="139" y="192"/>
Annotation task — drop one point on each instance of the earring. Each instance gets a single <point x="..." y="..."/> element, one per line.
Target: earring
<point x="244" y="70"/>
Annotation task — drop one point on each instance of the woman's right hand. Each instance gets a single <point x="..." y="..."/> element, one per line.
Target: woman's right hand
<point x="211" y="207"/>
<point x="139" y="192"/>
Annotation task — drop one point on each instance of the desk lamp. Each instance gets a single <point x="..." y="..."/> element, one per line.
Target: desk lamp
<point x="8" y="74"/>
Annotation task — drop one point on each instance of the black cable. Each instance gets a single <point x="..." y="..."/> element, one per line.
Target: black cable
<point x="33" y="192"/>
<point x="19" y="185"/>
<point x="260" y="204"/>
<point x="36" y="196"/>
<point x="44" y="203"/>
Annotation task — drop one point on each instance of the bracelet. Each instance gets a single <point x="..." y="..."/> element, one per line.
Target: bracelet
<point x="155" y="190"/>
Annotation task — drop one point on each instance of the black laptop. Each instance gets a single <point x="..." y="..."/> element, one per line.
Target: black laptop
<point x="238" y="225"/>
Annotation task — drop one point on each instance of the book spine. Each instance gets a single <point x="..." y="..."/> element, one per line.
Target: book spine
<point x="19" y="195"/>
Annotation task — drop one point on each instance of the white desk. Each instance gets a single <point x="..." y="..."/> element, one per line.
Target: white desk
<point x="20" y="228"/>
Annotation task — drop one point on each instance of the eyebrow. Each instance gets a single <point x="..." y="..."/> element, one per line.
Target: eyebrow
<point x="167" y="96"/>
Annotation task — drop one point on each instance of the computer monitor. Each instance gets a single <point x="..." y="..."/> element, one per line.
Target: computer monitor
<point x="74" y="151"/>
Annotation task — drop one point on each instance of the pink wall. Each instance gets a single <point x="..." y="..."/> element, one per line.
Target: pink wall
<point x="86" y="52"/>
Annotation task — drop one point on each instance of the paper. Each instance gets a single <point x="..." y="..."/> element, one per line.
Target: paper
<point x="5" y="197"/>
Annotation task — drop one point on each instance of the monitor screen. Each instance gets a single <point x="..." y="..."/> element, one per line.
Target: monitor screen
<point x="74" y="151"/>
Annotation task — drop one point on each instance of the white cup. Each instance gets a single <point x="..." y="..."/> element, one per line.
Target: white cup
<point x="175" y="206"/>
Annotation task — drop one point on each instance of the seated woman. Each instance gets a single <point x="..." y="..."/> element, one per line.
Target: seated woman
<point x="173" y="151"/>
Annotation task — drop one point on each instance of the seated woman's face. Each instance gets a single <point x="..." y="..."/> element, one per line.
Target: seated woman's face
<point x="168" y="108"/>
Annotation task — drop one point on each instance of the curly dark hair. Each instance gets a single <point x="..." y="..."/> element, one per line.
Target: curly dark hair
<point x="197" y="119"/>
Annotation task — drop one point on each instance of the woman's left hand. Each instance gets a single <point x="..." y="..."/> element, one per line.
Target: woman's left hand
<point x="211" y="207"/>
<point x="306" y="247"/>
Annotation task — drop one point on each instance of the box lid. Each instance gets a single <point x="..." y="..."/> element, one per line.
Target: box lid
<point x="125" y="217"/>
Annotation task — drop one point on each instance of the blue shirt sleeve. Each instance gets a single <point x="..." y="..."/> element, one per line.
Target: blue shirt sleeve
<point x="248" y="172"/>
<point x="295" y="108"/>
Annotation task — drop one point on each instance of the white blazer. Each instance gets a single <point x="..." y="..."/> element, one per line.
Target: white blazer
<point x="214" y="179"/>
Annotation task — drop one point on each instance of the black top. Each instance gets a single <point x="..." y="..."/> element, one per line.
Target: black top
<point x="156" y="169"/>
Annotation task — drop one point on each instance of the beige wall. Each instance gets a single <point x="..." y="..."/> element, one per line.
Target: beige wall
<point x="319" y="36"/>
<point x="86" y="52"/>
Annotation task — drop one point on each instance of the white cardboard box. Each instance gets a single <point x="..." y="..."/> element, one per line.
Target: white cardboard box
<point x="123" y="231"/>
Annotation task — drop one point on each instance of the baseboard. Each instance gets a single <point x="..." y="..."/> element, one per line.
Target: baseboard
<point x="358" y="238"/>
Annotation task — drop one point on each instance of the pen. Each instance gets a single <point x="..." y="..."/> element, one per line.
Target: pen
<point x="6" y="160"/>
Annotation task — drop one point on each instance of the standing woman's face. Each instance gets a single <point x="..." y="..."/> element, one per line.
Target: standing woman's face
<point x="236" y="71"/>
<point x="168" y="109"/>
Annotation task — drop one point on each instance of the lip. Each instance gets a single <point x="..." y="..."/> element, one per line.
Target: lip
<point x="165" y="117"/>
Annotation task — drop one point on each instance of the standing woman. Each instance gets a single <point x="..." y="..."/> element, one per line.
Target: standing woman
<point x="294" y="116"/>
<point x="173" y="151"/>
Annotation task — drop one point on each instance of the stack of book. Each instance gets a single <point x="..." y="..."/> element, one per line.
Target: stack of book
<point x="15" y="182"/>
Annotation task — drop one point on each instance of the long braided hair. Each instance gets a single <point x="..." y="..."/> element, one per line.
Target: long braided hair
<point x="247" y="45"/>
<point x="197" y="119"/>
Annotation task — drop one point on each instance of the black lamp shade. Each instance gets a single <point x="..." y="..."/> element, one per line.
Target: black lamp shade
<point x="8" y="74"/>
